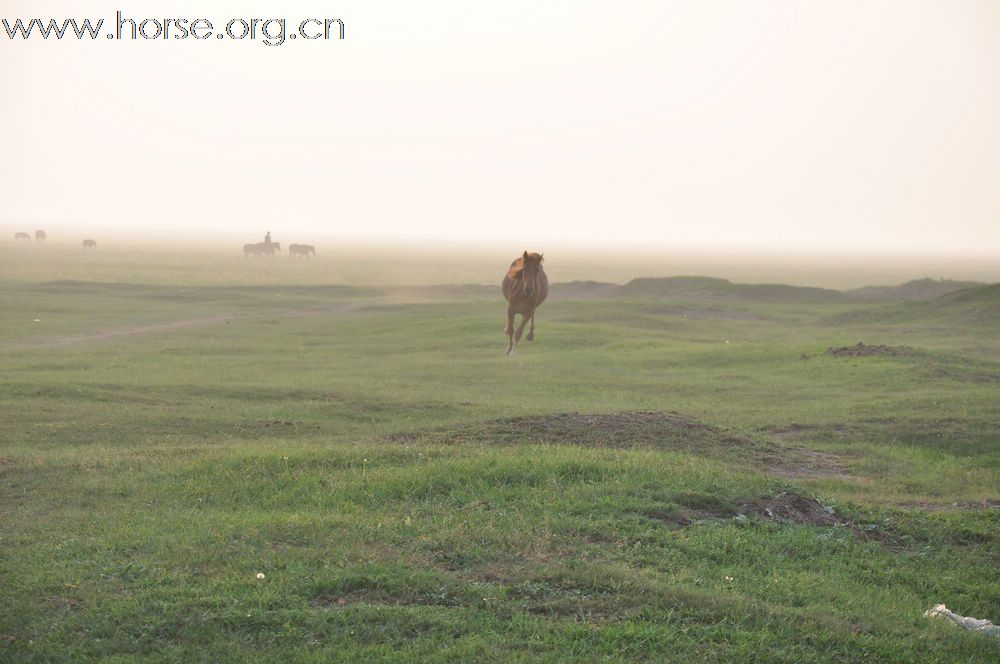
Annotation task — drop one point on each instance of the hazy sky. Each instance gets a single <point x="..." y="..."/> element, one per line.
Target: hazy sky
<point x="842" y="124"/>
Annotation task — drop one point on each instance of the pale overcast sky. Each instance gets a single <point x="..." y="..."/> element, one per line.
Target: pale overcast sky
<point x="857" y="125"/>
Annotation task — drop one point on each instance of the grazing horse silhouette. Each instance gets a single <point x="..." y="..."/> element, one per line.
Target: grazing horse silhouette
<point x="525" y="287"/>
<point x="301" y="250"/>
<point x="258" y="249"/>
<point x="90" y="244"/>
<point x="40" y="236"/>
<point x="22" y="236"/>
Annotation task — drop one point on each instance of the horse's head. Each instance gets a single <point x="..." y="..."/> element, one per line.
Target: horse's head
<point x="531" y="265"/>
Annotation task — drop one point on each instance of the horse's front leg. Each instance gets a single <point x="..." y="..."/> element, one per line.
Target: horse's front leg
<point x="531" y="330"/>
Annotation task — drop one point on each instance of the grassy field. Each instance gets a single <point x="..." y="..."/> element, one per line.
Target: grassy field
<point x="674" y="470"/>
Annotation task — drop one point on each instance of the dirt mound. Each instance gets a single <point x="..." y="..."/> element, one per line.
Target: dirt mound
<point x="613" y="430"/>
<point x="637" y="429"/>
<point x="560" y="424"/>
<point x="792" y="508"/>
<point x="787" y="508"/>
<point x="861" y="349"/>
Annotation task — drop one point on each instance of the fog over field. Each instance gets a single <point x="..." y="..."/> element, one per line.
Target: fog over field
<point x="820" y="127"/>
<point x="363" y="263"/>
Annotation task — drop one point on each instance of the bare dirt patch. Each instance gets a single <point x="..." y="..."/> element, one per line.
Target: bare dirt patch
<point x="792" y="508"/>
<point x="861" y="349"/>
<point x="403" y="437"/>
<point x="787" y="508"/>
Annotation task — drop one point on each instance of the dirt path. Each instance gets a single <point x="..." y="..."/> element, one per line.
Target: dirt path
<point x="139" y="330"/>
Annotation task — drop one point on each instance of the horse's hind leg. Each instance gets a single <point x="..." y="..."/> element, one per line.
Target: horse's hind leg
<point x="531" y="330"/>
<point x="509" y="330"/>
<point x="520" y="328"/>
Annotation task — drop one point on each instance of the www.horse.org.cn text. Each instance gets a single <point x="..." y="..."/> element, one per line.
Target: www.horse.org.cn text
<point x="268" y="31"/>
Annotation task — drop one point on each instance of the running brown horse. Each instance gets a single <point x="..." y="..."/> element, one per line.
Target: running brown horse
<point x="525" y="287"/>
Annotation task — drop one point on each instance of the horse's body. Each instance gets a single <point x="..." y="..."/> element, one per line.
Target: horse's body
<point x="40" y="236"/>
<point x="525" y="287"/>
<point x="258" y="249"/>
<point x="90" y="244"/>
<point x="301" y="250"/>
<point x="22" y="236"/>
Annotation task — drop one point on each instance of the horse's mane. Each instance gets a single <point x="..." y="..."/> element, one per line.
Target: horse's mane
<point x="518" y="265"/>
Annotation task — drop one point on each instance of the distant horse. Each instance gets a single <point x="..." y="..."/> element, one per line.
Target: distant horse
<point x="525" y="287"/>
<point x="40" y="236"/>
<point x="258" y="249"/>
<point x="90" y="244"/>
<point x="301" y="250"/>
<point x="22" y="236"/>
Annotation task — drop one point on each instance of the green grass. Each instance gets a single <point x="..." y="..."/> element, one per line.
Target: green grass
<point x="411" y="493"/>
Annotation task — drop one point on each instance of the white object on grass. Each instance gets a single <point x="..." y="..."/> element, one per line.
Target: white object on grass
<point x="260" y="576"/>
<point x="968" y="622"/>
